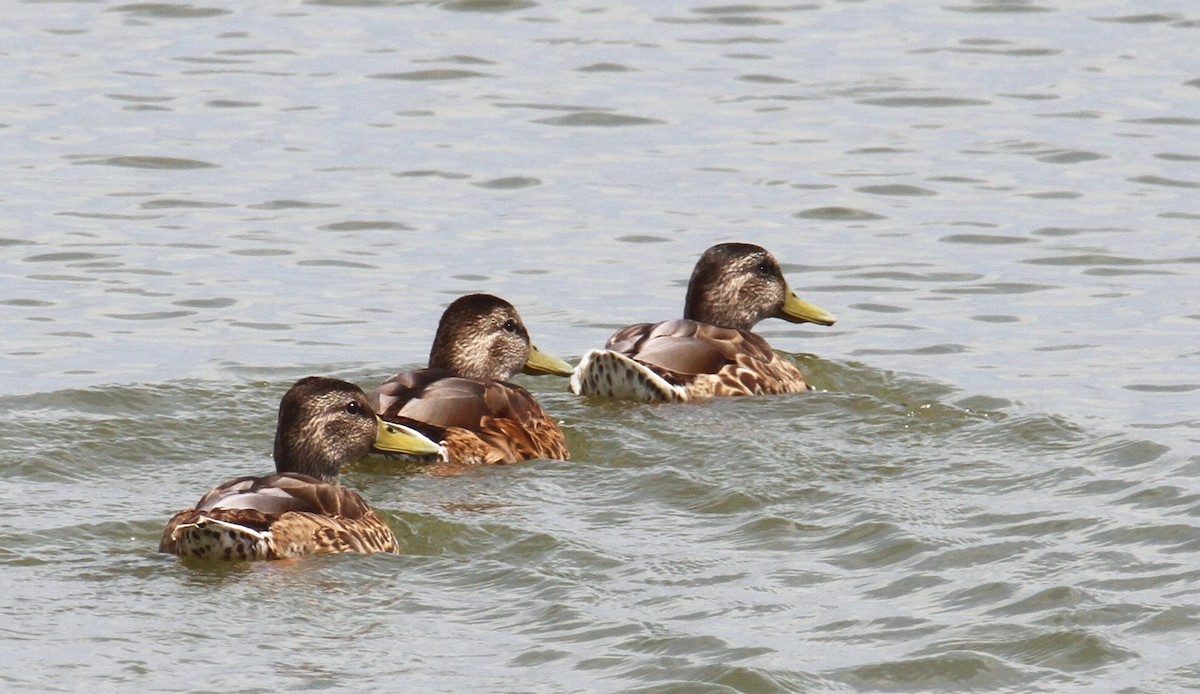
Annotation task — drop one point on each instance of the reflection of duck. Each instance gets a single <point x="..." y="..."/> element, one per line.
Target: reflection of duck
<point x="712" y="351"/>
<point x="323" y="424"/>
<point x="463" y="399"/>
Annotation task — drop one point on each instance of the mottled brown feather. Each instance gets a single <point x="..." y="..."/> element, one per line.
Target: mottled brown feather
<point x="295" y="514"/>
<point x="709" y="361"/>
<point x="477" y="422"/>
<point x="711" y="351"/>
<point x="322" y="423"/>
<point x="464" y="400"/>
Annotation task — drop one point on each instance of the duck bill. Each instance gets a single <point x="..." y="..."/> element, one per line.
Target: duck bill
<point x="797" y="310"/>
<point x="541" y="363"/>
<point x="397" y="438"/>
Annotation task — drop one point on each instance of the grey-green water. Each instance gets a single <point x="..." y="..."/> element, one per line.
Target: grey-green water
<point x="997" y="487"/>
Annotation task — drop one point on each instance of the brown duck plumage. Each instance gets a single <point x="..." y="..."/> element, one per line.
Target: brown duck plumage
<point x="323" y="423"/>
<point x="463" y="399"/>
<point x="711" y="351"/>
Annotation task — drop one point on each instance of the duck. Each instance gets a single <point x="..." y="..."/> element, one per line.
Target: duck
<point x="711" y="351"/>
<point x="463" y="398"/>
<point x="300" y="510"/>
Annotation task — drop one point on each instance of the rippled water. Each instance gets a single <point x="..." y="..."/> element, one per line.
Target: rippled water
<point x="997" y="487"/>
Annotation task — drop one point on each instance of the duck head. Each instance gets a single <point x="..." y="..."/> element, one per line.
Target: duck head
<point x="481" y="336"/>
<point x="325" y="423"/>
<point x="736" y="285"/>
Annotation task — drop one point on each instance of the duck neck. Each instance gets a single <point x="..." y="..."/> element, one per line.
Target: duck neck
<point x="303" y="457"/>
<point x="716" y="305"/>
<point x="467" y="359"/>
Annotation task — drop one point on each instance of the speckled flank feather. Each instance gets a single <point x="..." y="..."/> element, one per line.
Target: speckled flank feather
<point x="208" y="536"/>
<point x="612" y="374"/>
<point x="277" y="517"/>
<point x="495" y="442"/>
<point x="748" y="375"/>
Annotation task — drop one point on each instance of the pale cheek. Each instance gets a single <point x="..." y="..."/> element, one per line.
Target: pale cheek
<point x="479" y="355"/>
<point x="342" y="437"/>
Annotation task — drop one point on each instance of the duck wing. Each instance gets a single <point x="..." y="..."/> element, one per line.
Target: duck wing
<point x="280" y="493"/>
<point x="479" y="422"/>
<point x="435" y="397"/>
<point x="688" y="347"/>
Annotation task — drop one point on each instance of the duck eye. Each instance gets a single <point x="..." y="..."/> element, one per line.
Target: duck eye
<point x="510" y="325"/>
<point x="353" y="408"/>
<point x="764" y="268"/>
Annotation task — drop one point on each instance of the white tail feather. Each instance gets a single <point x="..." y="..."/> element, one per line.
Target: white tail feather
<point x="612" y="374"/>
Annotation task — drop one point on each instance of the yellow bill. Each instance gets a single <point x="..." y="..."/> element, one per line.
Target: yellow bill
<point x="797" y="310"/>
<point x="542" y="363"/>
<point x="397" y="438"/>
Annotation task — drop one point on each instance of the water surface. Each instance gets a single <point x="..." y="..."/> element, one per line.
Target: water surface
<point x="996" y="487"/>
